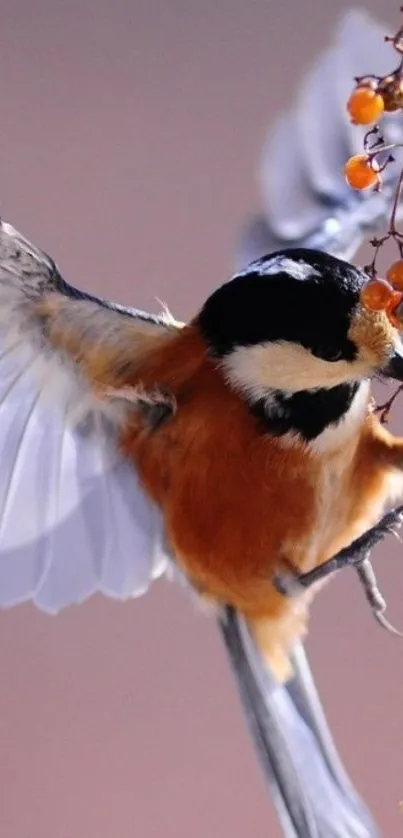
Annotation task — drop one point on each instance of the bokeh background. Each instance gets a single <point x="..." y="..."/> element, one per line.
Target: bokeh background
<point x="130" y="136"/>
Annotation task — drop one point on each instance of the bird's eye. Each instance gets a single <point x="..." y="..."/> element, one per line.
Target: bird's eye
<point x="327" y="353"/>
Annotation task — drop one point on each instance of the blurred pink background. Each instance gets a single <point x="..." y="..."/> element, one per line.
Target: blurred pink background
<point x="130" y="136"/>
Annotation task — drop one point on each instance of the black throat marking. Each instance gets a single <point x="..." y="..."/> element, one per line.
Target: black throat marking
<point x="307" y="412"/>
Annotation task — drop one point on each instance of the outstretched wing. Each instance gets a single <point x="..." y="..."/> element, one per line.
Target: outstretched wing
<point x="306" y="201"/>
<point x="73" y="518"/>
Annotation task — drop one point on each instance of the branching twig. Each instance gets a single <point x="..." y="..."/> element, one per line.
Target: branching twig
<point x="390" y="88"/>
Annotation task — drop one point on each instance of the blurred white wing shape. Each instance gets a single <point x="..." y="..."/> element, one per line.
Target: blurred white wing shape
<point x="306" y="201"/>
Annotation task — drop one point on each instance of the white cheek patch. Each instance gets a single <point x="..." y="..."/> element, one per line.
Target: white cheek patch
<point x="286" y="366"/>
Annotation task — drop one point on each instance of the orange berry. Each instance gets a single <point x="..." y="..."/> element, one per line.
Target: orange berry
<point x="391" y="309"/>
<point x="394" y="275"/>
<point x="376" y="294"/>
<point x="365" y="105"/>
<point x="360" y="172"/>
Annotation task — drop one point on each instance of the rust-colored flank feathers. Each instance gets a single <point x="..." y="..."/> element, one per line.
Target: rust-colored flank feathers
<point x="214" y="474"/>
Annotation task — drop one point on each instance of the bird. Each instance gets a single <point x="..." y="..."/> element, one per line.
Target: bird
<point x="230" y="452"/>
<point x="129" y="442"/>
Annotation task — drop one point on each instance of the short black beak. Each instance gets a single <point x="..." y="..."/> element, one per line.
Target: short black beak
<point x="394" y="367"/>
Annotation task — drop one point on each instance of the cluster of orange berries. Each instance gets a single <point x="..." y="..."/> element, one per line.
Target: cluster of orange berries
<point x="371" y="98"/>
<point x="385" y="294"/>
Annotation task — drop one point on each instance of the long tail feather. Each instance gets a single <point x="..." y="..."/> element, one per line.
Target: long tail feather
<point x="312" y="794"/>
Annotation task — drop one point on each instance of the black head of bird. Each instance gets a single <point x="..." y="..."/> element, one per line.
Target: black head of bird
<point x="291" y="333"/>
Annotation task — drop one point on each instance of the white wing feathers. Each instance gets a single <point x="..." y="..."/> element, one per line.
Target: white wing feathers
<point x="73" y="517"/>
